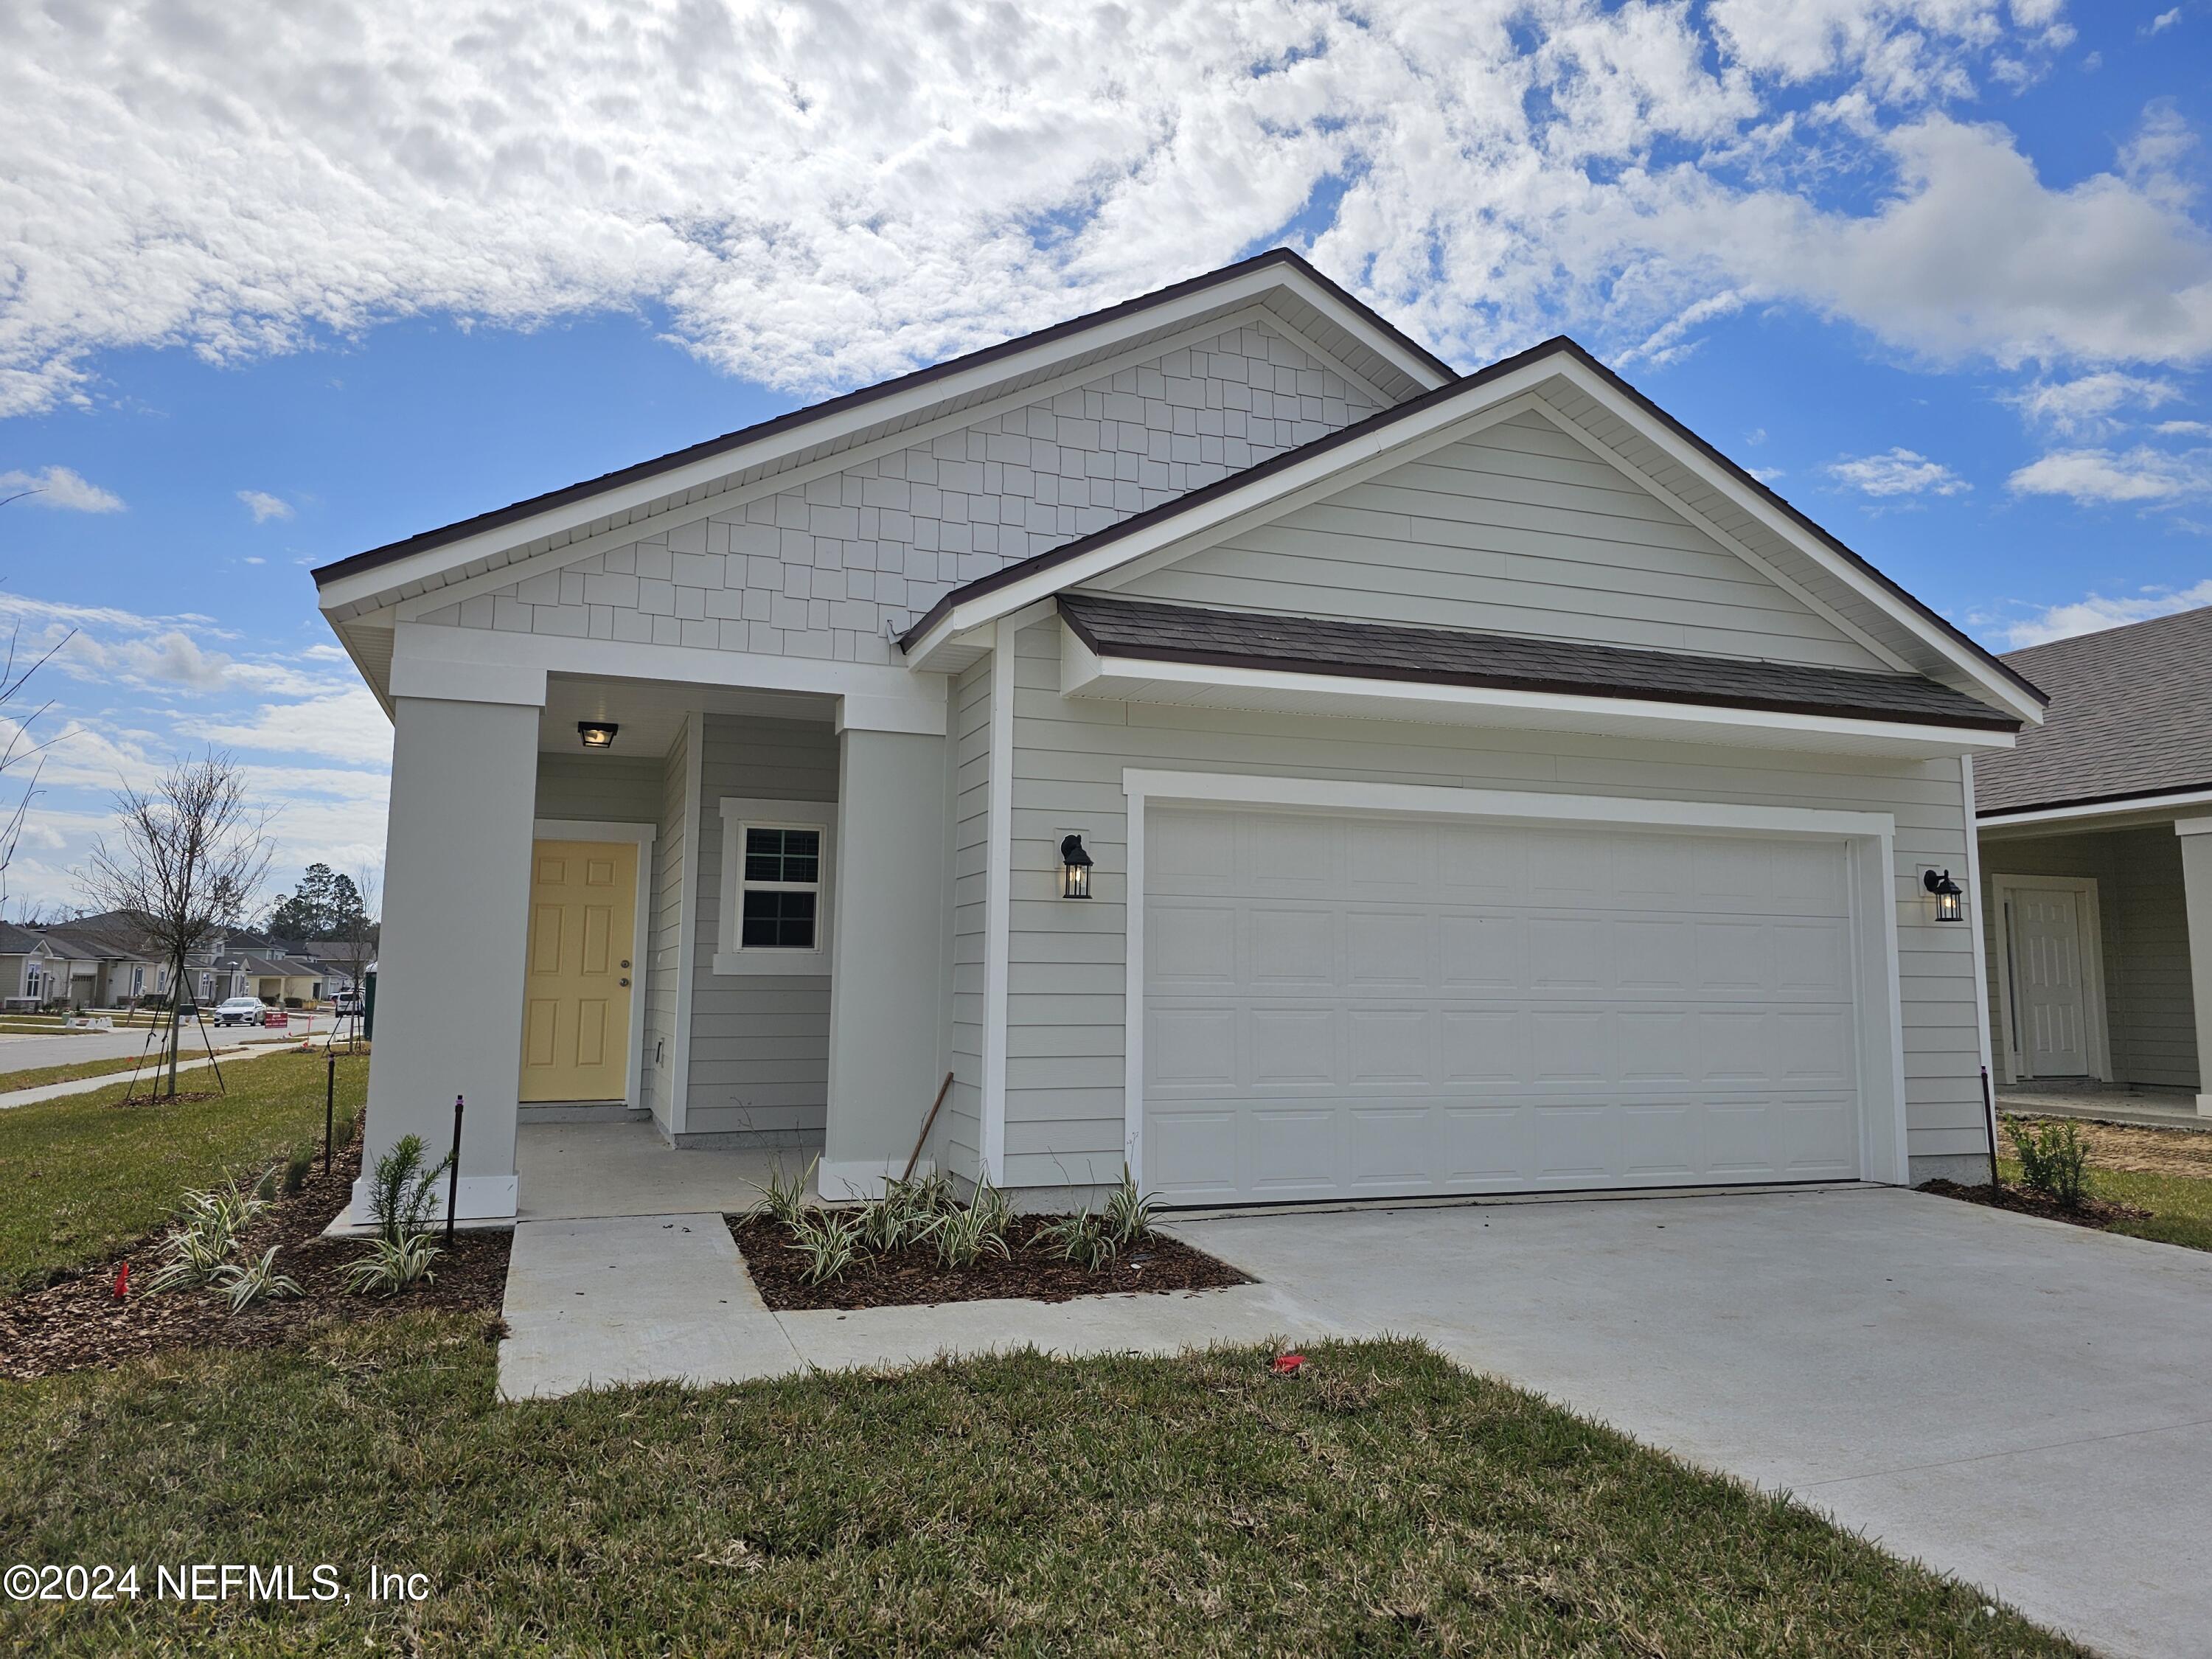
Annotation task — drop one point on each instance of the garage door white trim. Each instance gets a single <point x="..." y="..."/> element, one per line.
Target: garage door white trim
<point x="1874" y="887"/>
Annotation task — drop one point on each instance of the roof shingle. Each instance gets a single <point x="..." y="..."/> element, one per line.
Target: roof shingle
<point x="1316" y="645"/>
<point x="2130" y="715"/>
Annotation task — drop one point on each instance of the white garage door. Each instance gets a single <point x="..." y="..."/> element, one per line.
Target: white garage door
<point x="1369" y="1006"/>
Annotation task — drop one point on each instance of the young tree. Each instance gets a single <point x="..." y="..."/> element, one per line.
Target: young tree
<point x="187" y="856"/>
<point x="356" y="937"/>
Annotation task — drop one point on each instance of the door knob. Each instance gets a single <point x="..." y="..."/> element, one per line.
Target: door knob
<point x="625" y="962"/>
<point x="625" y="979"/>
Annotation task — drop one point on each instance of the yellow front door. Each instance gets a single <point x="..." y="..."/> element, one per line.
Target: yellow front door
<point x="577" y="983"/>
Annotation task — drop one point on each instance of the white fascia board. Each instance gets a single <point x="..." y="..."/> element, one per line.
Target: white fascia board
<point x="1868" y="587"/>
<point x="1442" y="801"/>
<point x="1085" y="673"/>
<point x="1277" y="493"/>
<point x="1241" y="292"/>
<point x="2150" y="808"/>
<point x="877" y="697"/>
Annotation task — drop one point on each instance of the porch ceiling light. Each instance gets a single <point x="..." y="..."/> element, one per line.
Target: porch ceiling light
<point x="597" y="734"/>
<point x="1074" y="868"/>
<point x="1947" y="894"/>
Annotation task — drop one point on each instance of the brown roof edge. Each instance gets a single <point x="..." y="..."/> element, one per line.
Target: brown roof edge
<point x="863" y="396"/>
<point x="2145" y="796"/>
<point x="1556" y="344"/>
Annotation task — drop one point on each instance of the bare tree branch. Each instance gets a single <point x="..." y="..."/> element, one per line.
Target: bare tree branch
<point x="188" y="856"/>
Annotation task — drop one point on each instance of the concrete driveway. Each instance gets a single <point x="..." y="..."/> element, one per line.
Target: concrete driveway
<point x="2025" y="1405"/>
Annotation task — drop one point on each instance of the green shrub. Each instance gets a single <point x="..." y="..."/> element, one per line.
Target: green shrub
<point x="341" y="1129"/>
<point x="245" y="1285"/>
<point x="297" y="1168"/>
<point x="264" y="1190"/>
<point x="2054" y="1160"/>
<point x="403" y="1195"/>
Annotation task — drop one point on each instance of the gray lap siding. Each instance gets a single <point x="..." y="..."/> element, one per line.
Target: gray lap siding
<point x="1064" y="1121"/>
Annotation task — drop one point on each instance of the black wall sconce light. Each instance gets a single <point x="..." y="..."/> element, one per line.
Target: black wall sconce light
<point x="597" y="734"/>
<point x="1947" y="894"/>
<point x="1074" y="868"/>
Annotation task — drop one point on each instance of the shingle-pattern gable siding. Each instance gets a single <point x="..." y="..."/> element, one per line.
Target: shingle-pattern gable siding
<point x="817" y="570"/>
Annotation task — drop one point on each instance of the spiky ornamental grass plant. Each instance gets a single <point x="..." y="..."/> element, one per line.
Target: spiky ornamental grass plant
<point x="1081" y="1238"/>
<point x="394" y="1265"/>
<point x="783" y="1200"/>
<point x="245" y="1285"/>
<point x="1128" y="1214"/>
<point x="965" y="1236"/>
<point x="828" y="1243"/>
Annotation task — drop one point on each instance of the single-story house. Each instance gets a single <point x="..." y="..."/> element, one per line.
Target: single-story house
<point x="1227" y="742"/>
<point x="2096" y="853"/>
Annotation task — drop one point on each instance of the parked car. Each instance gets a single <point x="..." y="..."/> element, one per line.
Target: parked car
<point x="239" y="1010"/>
<point x="346" y="1002"/>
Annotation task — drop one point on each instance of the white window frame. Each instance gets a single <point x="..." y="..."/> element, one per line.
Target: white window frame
<point x="740" y="814"/>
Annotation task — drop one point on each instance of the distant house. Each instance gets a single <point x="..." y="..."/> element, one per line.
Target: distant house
<point x="2096" y="855"/>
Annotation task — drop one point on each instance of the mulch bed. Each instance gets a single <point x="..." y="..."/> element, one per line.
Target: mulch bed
<point x="2096" y="1212"/>
<point x="78" y="1325"/>
<point x="911" y="1275"/>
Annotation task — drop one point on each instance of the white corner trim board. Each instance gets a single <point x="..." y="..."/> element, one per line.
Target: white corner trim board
<point x="998" y="901"/>
<point x="1870" y="837"/>
<point x="641" y="836"/>
<point x="731" y="955"/>
<point x="1978" y="923"/>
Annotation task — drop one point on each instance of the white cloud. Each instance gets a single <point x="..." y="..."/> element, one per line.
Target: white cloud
<point x="2098" y="477"/>
<point x="342" y="726"/>
<point x="59" y="488"/>
<point x="2087" y="615"/>
<point x="2163" y="21"/>
<point x="2088" y="402"/>
<point x="1897" y="472"/>
<point x="265" y="506"/>
<point x="824" y="195"/>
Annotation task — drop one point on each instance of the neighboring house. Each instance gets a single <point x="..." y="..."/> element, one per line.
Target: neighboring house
<point x="27" y="967"/>
<point x="1479" y="785"/>
<point x="2096" y="845"/>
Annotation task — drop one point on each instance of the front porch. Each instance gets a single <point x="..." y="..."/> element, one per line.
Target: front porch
<point x="714" y="915"/>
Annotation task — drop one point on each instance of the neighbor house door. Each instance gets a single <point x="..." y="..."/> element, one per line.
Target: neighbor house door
<point x="2050" y="988"/>
<point x="580" y="976"/>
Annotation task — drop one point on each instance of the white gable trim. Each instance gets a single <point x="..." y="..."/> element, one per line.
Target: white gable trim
<point x="1208" y="308"/>
<point x="1447" y="419"/>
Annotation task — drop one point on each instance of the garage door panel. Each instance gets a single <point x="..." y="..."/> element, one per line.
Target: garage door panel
<point x="1385" y="1046"/>
<point x="1387" y="949"/>
<point x="1294" y="1149"/>
<point x="1660" y="1142"/>
<point x="1570" y="1045"/>
<point x="1192" y="1048"/>
<point x="1191" y="852"/>
<point x="1193" y="948"/>
<point x="1392" y="1148"/>
<point x="1374" y="1007"/>
<point x="1288" y="946"/>
<point x="1482" y="1046"/>
<point x="1481" y="950"/>
<point x="1291" y="1047"/>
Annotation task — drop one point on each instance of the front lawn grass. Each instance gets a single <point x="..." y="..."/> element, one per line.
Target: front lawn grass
<point x="36" y="1077"/>
<point x="2166" y="1171"/>
<point x="1385" y="1503"/>
<point x="82" y="1176"/>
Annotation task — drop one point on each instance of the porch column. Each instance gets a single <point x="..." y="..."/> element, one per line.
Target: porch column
<point x="2197" y="886"/>
<point x="456" y="925"/>
<point x="886" y="998"/>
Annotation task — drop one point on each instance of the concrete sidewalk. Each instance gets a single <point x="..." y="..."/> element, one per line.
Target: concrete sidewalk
<point x="85" y="1085"/>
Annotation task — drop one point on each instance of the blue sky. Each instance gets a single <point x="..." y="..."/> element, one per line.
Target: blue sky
<point x="288" y="289"/>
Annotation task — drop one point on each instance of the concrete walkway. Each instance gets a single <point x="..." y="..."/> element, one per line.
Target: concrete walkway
<point x="2017" y="1402"/>
<point x="85" y="1085"/>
